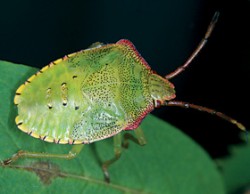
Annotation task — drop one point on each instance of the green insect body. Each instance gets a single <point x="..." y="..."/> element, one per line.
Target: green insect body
<point x="90" y="95"/>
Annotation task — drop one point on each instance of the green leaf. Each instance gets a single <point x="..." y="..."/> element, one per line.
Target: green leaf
<point x="170" y="162"/>
<point x="235" y="169"/>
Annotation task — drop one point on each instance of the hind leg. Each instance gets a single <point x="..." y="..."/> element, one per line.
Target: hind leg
<point x="76" y="149"/>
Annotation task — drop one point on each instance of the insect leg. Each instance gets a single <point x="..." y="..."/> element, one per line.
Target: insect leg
<point x="205" y="109"/>
<point x="76" y="149"/>
<point x="139" y="139"/>
<point x="197" y="50"/>
<point x="117" y="150"/>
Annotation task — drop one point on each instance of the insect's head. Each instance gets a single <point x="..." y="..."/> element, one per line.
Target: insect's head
<point x="161" y="89"/>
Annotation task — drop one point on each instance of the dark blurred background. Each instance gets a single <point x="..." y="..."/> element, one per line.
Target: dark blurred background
<point x="165" y="32"/>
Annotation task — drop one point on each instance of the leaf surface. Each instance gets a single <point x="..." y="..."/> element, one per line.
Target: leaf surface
<point x="235" y="169"/>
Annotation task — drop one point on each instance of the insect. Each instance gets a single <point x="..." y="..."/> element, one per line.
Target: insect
<point x="95" y="94"/>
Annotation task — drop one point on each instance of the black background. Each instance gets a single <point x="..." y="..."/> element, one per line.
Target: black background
<point x="165" y="32"/>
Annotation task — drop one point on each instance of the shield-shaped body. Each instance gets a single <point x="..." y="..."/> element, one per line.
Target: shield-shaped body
<point x="90" y="95"/>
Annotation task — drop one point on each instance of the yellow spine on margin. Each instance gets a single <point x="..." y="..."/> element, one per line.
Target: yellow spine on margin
<point x="31" y="78"/>
<point x="57" y="61"/>
<point x="45" y="68"/>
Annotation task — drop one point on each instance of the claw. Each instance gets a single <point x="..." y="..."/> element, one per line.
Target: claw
<point x="106" y="174"/>
<point x="7" y="162"/>
<point x="106" y="177"/>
